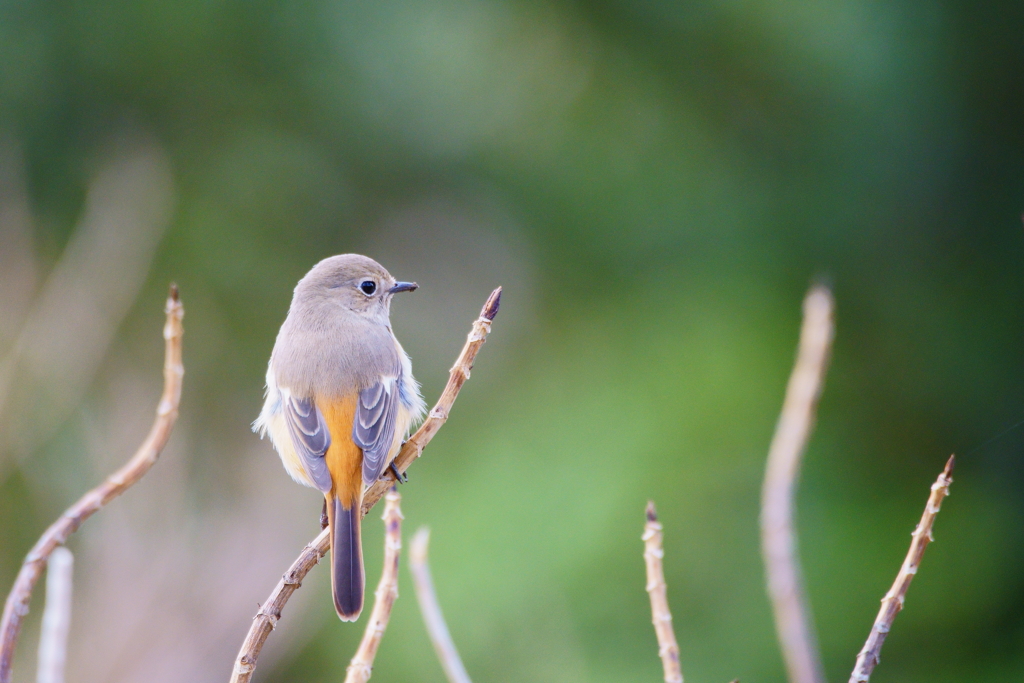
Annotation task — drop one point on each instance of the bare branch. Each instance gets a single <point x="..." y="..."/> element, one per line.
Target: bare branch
<point x="361" y="667"/>
<point x="268" y="615"/>
<point x="457" y="376"/>
<point x="668" y="649"/>
<point x="266" y="618"/>
<point x="892" y="603"/>
<point x="433" y="619"/>
<point x="778" y="539"/>
<point x="53" y="641"/>
<point x="145" y="457"/>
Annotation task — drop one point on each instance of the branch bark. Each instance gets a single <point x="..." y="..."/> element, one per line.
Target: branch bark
<point x="778" y="538"/>
<point x="361" y="667"/>
<point x="668" y="649"/>
<point x="457" y="376"/>
<point x="269" y="614"/>
<point x="145" y="457"/>
<point x="433" y="619"/>
<point x="53" y="640"/>
<point x="892" y="603"/>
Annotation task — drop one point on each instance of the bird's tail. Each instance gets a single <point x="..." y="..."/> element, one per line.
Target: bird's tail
<point x="346" y="557"/>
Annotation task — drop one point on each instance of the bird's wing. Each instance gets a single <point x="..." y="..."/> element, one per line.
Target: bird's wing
<point x="373" y="430"/>
<point x="310" y="437"/>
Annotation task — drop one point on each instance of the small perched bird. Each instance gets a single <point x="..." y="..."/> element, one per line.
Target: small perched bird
<point x="340" y="399"/>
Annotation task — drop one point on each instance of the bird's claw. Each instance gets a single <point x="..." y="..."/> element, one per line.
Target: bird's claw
<point x="399" y="477"/>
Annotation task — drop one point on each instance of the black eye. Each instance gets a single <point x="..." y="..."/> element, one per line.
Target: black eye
<point x="368" y="287"/>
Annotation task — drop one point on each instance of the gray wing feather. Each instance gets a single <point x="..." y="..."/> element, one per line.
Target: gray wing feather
<point x="373" y="430"/>
<point x="310" y="437"/>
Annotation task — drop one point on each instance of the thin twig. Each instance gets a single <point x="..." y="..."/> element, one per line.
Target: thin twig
<point x="457" y="376"/>
<point x="668" y="649"/>
<point x="433" y="619"/>
<point x="361" y="667"/>
<point x="266" y="618"/>
<point x="53" y="640"/>
<point x="145" y="457"/>
<point x="778" y="539"/>
<point x="892" y="603"/>
<point x="268" y="615"/>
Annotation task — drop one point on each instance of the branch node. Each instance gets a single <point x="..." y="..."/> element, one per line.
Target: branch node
<point x="71" y="519"/>
<point x="895" y="598"/>
<point x="661" y="617"/>
<point x="387" y="592"/>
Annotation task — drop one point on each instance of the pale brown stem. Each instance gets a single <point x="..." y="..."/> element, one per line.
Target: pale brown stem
<point x="778" y="538"/>
<point x="361" y="667"/>
<point x="266" y="618"/>
<point x="268" y="615"/>
<point x="53" y="639"/>
<point x="892" y="603"/>
<point x="433" y="619"/>
<point x="457" y="376"/>
<point x="668" y="649"/>
<point x="145" y="457"/>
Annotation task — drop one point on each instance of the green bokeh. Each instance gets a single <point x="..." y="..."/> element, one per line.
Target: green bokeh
<point x="660" y="183"/>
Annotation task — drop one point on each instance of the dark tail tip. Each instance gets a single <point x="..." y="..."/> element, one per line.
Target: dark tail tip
<point x="346" y="562"/>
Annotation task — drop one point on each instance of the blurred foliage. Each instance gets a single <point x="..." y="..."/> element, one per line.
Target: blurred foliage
<point x="655" y="184"/>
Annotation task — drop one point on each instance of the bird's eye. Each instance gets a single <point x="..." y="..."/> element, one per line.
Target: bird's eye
<point x="368" y="287"/>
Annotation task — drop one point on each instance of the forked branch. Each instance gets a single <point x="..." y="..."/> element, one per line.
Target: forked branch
<point x="361" y="667"/>
<point x="668" y="649"/>
<point x="778" y="539"/>
<point x="269" y="614"/>
<point x="145" y="457"/>
<point x="433" y="619"/>
<point x="892" y="603"/>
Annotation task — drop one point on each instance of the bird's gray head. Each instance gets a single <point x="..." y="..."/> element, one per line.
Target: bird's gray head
<point x="355" y="282"/>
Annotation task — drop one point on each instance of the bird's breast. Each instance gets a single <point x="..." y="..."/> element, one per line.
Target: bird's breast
<point x="335" y="358"/>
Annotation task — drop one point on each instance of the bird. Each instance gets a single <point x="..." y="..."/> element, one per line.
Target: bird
<point x="340" y="399"/>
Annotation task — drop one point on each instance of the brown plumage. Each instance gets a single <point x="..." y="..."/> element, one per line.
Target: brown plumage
<point x="340" y="399"/>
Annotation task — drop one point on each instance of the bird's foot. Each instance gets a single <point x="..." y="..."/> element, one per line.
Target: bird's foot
<point x="323" y="517"/>
<point x="399" y="477"/>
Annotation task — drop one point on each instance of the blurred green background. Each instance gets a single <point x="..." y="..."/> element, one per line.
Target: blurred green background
<point x="655" y="184"/>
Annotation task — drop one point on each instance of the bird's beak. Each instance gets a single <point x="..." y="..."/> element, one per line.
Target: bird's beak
<point x="403" y="287"/>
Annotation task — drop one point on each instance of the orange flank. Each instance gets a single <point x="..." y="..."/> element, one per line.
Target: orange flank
<point x="345" y="463"/>
<point x="344" y="457"/>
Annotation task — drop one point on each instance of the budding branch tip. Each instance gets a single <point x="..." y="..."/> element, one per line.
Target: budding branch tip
<point x="491" y="307"/>
<point x="652" y="514"/>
